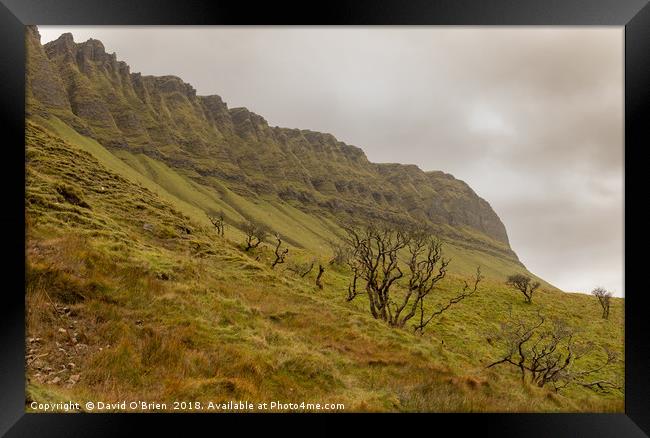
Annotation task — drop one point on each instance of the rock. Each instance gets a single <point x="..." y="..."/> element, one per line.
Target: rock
<point x="162" y="276"/>
<point x="55" y="381"/>
<point x="74" y="379"/>
<point x="44" y="84"/>
<point x="71" y="365"/>
<point x="148" y="227"/>
<point x="63" y="331"/>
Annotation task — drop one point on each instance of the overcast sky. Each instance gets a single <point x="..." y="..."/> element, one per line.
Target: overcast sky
<point x="531" y="118"/>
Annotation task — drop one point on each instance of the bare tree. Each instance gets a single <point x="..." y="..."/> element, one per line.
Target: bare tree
<point x="466" y="292"/>
<point x="280" y="255"/>
<point x="255" y="234"/>
<point x="218" y="222"/>
<point x="340" y="253"/>
<point x="321" y="271"/>
<point x="376" y="250"/>
<point x="604" y="297"/>
<point x="356" y="268"/>
<point x="524" y="284"/>
<point x="302" y="269"/>
<point x="374" y="259"/>
<point x="546" y="352"/>
<point x="424" y="254"/>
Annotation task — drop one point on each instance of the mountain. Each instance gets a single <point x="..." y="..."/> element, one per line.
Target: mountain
<point x="131" y="294"/>
<point x="215" y="146"/>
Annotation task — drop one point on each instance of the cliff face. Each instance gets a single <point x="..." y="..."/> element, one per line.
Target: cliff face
<point x="163" y="117"/>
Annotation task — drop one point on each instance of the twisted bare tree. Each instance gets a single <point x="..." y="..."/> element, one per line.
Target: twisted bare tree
<point x="546" y="352"/>
<point x="374" y="260"/>
<point x="376" y="250"/>
<point x="255" y="234"/>
<point x="466" y="292"/>
<point x="524" y="284"/>
<point x="301" y="269"/>
<point x="356" y="267"/>
<point x="604" y="297"/>
<point x="340" y="253"/>
<point x="280" y="254"/>
<point x="218" y="222"/>
<point x="319" y="281"/>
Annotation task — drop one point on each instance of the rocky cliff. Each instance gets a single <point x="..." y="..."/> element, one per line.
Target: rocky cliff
<point x="163" y="117"/>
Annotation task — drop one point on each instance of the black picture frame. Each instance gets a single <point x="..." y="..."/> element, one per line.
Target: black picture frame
<point x="15" y="14"/>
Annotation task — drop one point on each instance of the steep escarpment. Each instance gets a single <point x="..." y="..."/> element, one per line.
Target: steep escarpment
<point x="164" y="118"/>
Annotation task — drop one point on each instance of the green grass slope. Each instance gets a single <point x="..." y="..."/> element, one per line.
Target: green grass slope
<point x="132" y="295"/>
<point x="303" y="230"/>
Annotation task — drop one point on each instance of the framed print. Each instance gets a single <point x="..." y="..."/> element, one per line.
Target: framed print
<point x="223" y="212"/>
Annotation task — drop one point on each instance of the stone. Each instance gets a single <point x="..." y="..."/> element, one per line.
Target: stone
<point x="74" y="378"/>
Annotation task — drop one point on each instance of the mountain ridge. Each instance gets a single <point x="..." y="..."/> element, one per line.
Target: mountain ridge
<point x="163" y="117"/>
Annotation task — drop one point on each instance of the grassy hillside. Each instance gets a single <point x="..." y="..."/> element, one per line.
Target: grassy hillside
<point x="132" y="295"/>
<point x="312" y="232"/>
